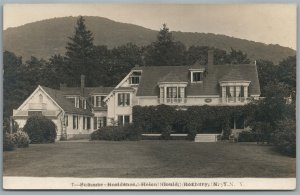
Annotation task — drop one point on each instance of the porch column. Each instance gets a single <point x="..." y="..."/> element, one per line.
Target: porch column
<point x="234" y="123"/>
<point x="165" y="94"/>
<point x="177" y="94"/>
<point x="237" y="91"/>
<point x="231" y="89"/>
<point x="161" y="95"/>
<point x="223" y="93"/>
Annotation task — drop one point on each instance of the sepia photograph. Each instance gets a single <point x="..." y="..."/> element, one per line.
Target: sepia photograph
<point x="149" y="96"/>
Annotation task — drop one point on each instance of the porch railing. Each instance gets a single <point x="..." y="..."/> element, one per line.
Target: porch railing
<point x="202" y="100"/>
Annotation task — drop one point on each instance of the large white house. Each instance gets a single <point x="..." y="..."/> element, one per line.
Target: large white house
<point x="79" y="111"/>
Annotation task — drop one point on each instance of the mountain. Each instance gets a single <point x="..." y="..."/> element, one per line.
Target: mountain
<point x="45" y="38"/>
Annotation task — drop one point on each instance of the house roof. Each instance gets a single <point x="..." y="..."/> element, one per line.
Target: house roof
<point x="197" y="65"/>
<point x="66" y="105"/>
<point x="151" y="75"/>
<point x="173" y="76"/>
<point x="87" y="90"/>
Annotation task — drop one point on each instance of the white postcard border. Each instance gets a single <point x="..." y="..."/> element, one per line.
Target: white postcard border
<point x="69" y="183"/>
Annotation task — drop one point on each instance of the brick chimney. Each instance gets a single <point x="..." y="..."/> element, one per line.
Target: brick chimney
<point x="82" y="84"/>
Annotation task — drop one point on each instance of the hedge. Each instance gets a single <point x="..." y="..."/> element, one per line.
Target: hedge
<point x="117" y="133"/>
<point x="247" y="136"/>
<point x="156" y="119"/>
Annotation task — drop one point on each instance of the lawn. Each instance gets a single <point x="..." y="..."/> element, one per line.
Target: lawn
<point x="148" y="159"/>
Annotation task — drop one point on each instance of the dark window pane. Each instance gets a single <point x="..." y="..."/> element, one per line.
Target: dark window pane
<point x="120" y="120"/>
<point x="126" y="119"/>
<point x="104" y="121"/>
<point x="83" y="124"/>
<point x="95" y="123"/>
<point x="120" y="99"/>
<point x="88" y="123"/>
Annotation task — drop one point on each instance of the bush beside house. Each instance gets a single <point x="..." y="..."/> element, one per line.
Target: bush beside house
<point x="40" y="130"/>
<point x="8" y="144"/>
<point x="284" y="137"/>
<point x="117" y="133"/>
<point x="21" y="139"/>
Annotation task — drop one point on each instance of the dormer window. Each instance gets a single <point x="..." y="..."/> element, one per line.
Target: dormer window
<point x="196" y="76"/>
<point x="135" y="78"/>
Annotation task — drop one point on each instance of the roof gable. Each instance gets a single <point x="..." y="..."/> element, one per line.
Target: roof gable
<point x="65" y="104"/>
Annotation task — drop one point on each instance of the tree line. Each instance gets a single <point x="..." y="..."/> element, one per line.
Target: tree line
<point x="106" y="67"/>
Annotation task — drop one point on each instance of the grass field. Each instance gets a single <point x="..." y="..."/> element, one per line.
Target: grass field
<point x="148" y="159"/>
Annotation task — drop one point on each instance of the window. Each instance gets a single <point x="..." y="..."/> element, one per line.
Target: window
<point x="197" y="76"/>
<point x="242" y="91"/>
<point x="99" y="122"/>
<point x="35" y="113"/>
<point x="83" y="104"/>
<point x="86" y="123"/>
<point x="41" y="98"/>
<point x="66" y="120"/>
<point x="162" y="92"/>
<point x="123" y="99"/>
<point x="75" y="122"/>
<point x="171" y="92"/>
<point x="123" y="119"/>
<point x="80" y="103"/>
<point x="135" y="78"/>
<point x="99" y="101"/>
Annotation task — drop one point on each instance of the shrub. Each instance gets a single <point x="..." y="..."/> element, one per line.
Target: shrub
<point x="21" y="139"/>
<point x="284" y="137"/>
<point x="117" y="133"/>
<point x="40" y="129"/>
<point x="246" y="136"/>
<point x="8" y="144"/>
<point x="166" y="133"/>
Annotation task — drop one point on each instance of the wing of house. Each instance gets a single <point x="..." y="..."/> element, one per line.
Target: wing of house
<point x="76" y="111"/>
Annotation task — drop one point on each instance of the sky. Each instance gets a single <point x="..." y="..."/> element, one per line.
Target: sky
<point x="267" y="23"/>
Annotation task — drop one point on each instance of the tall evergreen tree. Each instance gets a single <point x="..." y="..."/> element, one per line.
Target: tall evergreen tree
<point x="80" y="54"/>
<point x="165" y="51"/>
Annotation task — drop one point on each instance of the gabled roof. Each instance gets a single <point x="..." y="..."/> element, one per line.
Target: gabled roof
<point x="66" y="105"/>
<point x="152" y="75"/>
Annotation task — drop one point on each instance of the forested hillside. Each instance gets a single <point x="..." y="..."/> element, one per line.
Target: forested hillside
<point x="45" y="38"/>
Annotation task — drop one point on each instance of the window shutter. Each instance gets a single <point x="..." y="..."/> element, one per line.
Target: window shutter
<point x="119" y="99"/>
